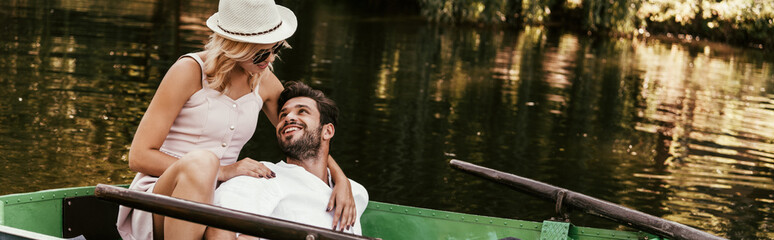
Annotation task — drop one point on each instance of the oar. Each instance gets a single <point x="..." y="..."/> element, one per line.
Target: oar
<point x="618" y="213"/>
<point x="232" y="220"/>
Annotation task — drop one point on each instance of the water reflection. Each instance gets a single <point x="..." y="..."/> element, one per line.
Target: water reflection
<point x="681" y="132"/>
<point x="715" y="125"/>
<point x="78" y="76"/>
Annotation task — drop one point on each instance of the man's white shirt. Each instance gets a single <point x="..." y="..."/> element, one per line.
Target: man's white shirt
<point x="294" y="195"/>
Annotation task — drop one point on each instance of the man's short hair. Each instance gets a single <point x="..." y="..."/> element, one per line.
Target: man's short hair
<point x="329" y="112"/>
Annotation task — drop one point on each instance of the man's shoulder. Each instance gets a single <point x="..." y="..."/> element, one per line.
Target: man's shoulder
<point x="246" y="185"/>
<point x="361" y="196"/>
<point x="280" y="166"/>
<point x="276" y="167"/>
<point x="357" y="188"/>
<point x="270" y="165"/>
<point x="241" y="181"/>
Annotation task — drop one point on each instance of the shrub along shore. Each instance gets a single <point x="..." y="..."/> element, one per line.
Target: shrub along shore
<point x="747" y="23"/>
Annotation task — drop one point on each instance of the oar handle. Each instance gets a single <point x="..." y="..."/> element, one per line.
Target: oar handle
<point x="228" y="219"/>
<point x="615" y="212"/>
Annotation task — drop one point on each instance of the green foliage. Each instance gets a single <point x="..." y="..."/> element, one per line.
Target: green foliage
<point x="466" y="11"/>
<point x="610" y="15"/>
<point x="741" y="21"/>
<point x="536" y="11"/>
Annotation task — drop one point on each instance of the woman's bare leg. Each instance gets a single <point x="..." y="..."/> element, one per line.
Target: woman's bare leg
<point x="192" y="177"/>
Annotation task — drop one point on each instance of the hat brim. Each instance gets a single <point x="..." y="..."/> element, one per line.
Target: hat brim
<point x="288" y="27"/>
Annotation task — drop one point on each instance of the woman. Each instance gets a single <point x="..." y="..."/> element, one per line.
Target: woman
<point x="205" y="110"/>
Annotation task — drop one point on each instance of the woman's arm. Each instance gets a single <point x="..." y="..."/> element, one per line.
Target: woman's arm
<point x="270" y="90"/>
<point x="181" y="81"/>
<point x="345" y="213"/>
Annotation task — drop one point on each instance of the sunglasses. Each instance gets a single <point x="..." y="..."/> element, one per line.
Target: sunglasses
<point x="263" y="54"/>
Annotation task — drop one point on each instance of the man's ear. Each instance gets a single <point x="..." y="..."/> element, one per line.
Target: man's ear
<point x="328" y="131"/>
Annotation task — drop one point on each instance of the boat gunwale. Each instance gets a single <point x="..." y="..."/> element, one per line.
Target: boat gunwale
<point x="522" y="225"/>
<point x="48" y="194"/>
<point x="502" y="222"/>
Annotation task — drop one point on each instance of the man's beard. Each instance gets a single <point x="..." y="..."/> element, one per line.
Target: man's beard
<point x="304" y="148"/>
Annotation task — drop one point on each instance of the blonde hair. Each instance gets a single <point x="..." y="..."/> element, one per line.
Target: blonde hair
<point x="223" y="55"/>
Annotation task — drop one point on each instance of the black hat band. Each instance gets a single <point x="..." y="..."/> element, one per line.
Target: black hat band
<point x="250" y="34"/>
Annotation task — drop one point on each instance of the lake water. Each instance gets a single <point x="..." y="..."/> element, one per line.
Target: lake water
<point x="680" y="131"/>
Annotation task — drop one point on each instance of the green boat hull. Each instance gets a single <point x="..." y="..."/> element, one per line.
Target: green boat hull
<point x="49" y="214"/>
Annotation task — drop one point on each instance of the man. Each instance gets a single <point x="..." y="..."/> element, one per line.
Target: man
<point x="302" y="186"/>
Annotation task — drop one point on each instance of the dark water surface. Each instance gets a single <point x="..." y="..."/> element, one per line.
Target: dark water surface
<point x="684" y="132"/>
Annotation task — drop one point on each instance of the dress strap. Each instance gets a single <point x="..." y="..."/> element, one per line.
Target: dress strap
<point x="201" y="67"/>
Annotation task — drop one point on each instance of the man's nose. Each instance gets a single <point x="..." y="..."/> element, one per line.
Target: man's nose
<point x="291" y="117"/>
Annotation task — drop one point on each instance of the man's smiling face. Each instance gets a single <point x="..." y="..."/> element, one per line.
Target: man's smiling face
<point x="298" y="130"/>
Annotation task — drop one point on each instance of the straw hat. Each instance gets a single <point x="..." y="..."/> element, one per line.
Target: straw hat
<point x="253" y="21"/>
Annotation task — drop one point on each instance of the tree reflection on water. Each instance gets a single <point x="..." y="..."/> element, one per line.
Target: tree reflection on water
<point x="679" y="131"/>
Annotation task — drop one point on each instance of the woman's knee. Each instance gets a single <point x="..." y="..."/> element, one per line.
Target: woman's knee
<point x="195" y="170"/>
<point x="199" y="161"/>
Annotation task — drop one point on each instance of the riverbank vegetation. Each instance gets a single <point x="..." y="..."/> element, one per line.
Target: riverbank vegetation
<point x="741" y="22"/>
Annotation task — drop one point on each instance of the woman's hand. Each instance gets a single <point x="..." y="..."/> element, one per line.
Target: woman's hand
<point x="247" y="167"/>
<point x="342" y="200"/>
